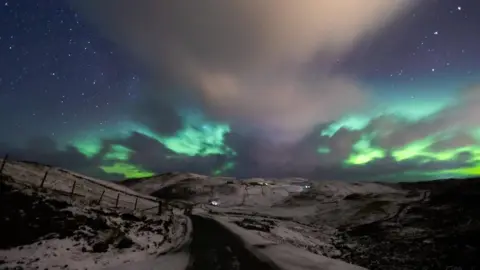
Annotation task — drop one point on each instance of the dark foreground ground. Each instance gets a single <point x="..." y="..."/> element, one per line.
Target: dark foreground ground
<point x="33" y="217"/>
<point x="441" y="232"/>
<point x="214" y="248"/>
<point x="30" y="217"/>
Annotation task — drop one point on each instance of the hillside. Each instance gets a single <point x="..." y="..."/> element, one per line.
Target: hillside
<point x="328" y="202"/>
<point x="93" y="227"/>
<point x="57" y="219"/>
<point x="428" y="225"/>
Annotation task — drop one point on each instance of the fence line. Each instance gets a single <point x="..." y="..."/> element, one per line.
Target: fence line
<point x="73" y="188"/>
<point x="3" y="163"/>
<point x="73" y="174"/>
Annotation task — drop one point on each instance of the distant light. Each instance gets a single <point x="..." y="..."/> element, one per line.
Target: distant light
<point x="459" y="8"/>
<point x="435" y="33"/>
<point x="214" y="203"/>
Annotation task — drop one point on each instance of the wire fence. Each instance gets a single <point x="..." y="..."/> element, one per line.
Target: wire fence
<point x="76" y="187"/>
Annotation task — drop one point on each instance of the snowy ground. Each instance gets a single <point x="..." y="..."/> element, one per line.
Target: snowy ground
<point x="291" y="214"/>
<point x="284" y="248"/>
<point x="86" y="188"/>
<point x="329" y="203"/>
<point x="254" y="223"/>
<point x="51" y="229"/>
<point x="42" y="229"/>
<point x="431" y="225"/>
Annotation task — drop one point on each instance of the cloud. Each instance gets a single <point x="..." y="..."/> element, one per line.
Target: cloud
<point x="257" y="157"/>
<point x="158" y="114"/>
<point x="261" y="157"/>
<point x="151" y="155"/>
<point x="387" y="169"/>
<point x="250" y="62"/>
<point x="44" y="150"/>
<point x="460" y="116"/>
<point x="145" y="155"/>
<point x="455" y="141"/>
<point x="464" y="114"/>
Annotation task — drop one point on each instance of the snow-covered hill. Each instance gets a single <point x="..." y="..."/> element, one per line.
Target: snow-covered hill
<point x="289" y="223"/>
<point x="87" y="188"/>
<point x="329" y="202"/>
<point x="45" y="226"/>
<point x="374" y="225"/>
<point x="252" y="192"/>
<point x="46" y="230"/>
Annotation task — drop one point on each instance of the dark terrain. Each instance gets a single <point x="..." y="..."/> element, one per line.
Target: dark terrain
<point x="441" y="232"/>
<point x="214" y="248"/>
<point x="33" y="216"/>
<point x="27" y="218"/>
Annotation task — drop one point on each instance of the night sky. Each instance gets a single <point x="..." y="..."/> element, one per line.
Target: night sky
<point x="130" y="90"/>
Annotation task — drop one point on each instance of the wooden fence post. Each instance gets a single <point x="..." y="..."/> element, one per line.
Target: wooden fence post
<point x="101" y="197"/>
<point x="159" y="211"/>
<point x="135" y="205"/>
<point x="3" y="163"/>
<point x="72" y="192"/>
<point x="116" y="202"/>
<point x="188" y="210"/>
<point x="44" y="178"/>
<point x="1" y="184"/>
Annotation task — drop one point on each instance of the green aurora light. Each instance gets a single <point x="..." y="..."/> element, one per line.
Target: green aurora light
<point x="127" y="170"/>
<point x="209" y="140"/>
<point x="206" y="140"/>
<point x="421" y="151"/>
<point x="118" y="152"/>
<point x="364" y="152"/>
<point x="224" y="169"/>
<point x="199" y="138"/>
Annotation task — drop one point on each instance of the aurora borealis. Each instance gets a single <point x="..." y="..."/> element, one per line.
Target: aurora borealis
<point x="384" y="98"/>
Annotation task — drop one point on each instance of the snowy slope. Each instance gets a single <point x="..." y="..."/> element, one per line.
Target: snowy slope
<point x="328" y="202"/>
<point x="249" y="192"/>
<point x="293" y="216"/>
<point x="284" y="255"/>
<point x="43" y="231"/>
<point x="89" y="189"/>
<point x="294" y="223"/>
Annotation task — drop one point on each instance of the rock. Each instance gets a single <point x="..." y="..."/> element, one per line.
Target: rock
<point x="124" y="242"/>
<point x="130" y="217"/>
<point x="350" y="246"/>
<point x="100" y="247"/>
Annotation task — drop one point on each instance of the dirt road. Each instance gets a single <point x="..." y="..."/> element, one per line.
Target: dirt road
<point x="215" y="248"/>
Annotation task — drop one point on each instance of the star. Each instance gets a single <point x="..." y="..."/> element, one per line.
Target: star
<point x="75" y="75"/>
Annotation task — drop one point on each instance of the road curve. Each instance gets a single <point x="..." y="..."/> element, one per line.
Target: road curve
<point x="213" y="247"/>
